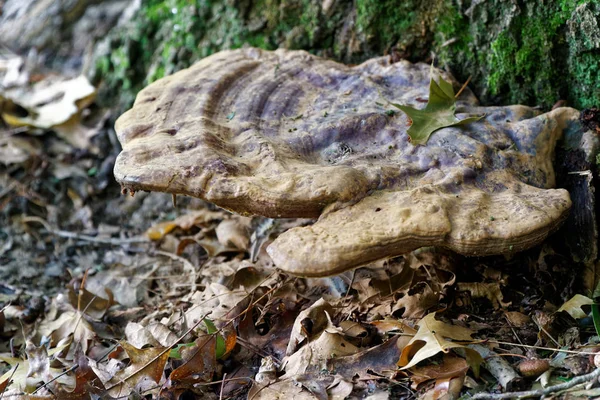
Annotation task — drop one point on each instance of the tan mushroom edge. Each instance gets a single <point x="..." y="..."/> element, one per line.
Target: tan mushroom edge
<point x="388" y="224"/>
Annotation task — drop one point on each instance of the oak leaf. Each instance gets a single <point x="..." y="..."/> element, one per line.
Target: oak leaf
<point x="437" y="114"/>
<point x="434" y="337"/>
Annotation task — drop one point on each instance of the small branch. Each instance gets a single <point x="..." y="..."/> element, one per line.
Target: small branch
<point x="541" y="392"/>
<point x="186" y="265"/>
<point x="165" y="350"/>
<point x="222" y="386"/>
<point x="504" y="373"/>
<point x="74" y="367"/>
<point x="8" y="381"/>
<point x="588" y="353"/>
<point x="86" y="238"/>
<point x="463" y="87"/>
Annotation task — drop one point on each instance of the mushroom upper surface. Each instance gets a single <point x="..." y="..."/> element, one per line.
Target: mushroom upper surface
<point x="289" y="134"/>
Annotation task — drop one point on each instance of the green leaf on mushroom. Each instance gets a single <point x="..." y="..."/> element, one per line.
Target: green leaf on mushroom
<point x="437" y="114"/>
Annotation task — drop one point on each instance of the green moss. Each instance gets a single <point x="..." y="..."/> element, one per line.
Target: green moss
<point x="516" y="52"/>
<point x="528" y="61"/>
<point x="584" y="80"/>
<point x="385" y="21"/>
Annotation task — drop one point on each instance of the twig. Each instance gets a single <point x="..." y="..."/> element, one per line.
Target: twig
<point x="513" y="329"/>
<point x="71" y="235"/>
<point x="73" y="368"/>
<point x="257" y="351"/>
<point x="504" y="373"/>
<point x="540" y="392"/>
<point x="186" y="265"/>
<point x="463" y="87"/>
<point x="588" y="353"/>
<point x="159" y="355"/>
<point x="8" y="382"/>
<point x="222" y="386"/>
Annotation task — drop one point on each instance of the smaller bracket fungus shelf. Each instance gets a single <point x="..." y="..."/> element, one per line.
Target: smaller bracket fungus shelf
<point x="288" y="134"/>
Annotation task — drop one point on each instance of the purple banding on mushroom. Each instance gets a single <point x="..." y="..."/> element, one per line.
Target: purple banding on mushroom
<point x="289" y="134"/>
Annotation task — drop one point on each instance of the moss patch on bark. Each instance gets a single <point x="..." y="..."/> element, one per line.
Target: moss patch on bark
<point x="530" y="52"/>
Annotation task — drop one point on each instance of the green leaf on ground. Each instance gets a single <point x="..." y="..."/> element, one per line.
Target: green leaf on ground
<point x="212" y="329"/>
<point x="439" y="112"/>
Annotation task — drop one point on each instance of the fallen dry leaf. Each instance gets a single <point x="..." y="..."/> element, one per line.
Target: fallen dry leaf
<point x="315" y="355"/>
<point x="216" y="302"/>
<point x="154" y="334"/>
<point x="490" y="291"/>
<point x="69" y="323"/>
<point x="378" y="360"/>
<point x="145" y="366"/>
<point x="284" y="389"/>
<point x="451" y="367"/>
<point x="89" y="303"/>
<point x="234" y="233"/>
<point x="199" y="361"/>
<point x="574" y="304"/>
<point x="87" y="383"/>
<point x="309" y="322"/>
<point x="432" y="338"/>
<point x="184" y="222"/>
<point x="15" y="149"/>
<point x="51" y="102"/>
<point x="26" y="374"/>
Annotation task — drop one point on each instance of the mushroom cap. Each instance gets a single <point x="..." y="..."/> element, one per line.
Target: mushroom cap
<point x="289" y="134"/>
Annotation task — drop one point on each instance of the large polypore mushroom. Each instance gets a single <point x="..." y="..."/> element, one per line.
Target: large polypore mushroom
<point x="288" y="134"/>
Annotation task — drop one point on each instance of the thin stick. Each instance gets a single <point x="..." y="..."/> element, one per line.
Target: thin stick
<point x="512" y="329"/>
<point x="8" y="382"/>
<point x="159" y="355"/>
<point x="74" y="367"/>
<point x="541" y="392"/>
<point x="222" y="386"/>
<point x="463" y="87"/>
<point x="589" y="353"/>
<point x="186" y="265"/>
<point x="77" y="236"/>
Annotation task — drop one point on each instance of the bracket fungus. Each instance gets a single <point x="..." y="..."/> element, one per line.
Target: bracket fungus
<point x="289" y="134"/>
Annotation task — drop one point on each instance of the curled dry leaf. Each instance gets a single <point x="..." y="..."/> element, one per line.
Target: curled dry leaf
<point x="316" y="354"/>
<point x="490" y="291"/>
<point x="434" y="337"/>
<point x="89" y="303"/>
<point x="53" y="103"/>
<point x="199" y="361"/>
<point x="574" y="304"/>
<point x="310" y="322"/>
<point x="144" y="365"/>
<point x="185" y="222"/>
<point x="15" y="150"/>
<point x="69" y="323"/>
<point x="155" y="335"/>
<point x="235" y="233"/>
<point x="451" y="367"/>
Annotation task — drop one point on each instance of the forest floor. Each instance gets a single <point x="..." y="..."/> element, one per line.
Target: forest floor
<point x="115" y="296"/>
